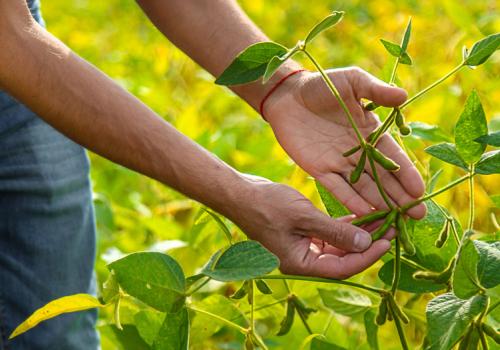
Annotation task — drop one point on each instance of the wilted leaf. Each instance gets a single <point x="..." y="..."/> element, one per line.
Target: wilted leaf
<point x="471" y="125"/>
<point x="326" y="23"/>
<point x="448" y="318"/>
<point x="72" y="303"/>
<point x="154" y="278"/>
<point x="250" y="64"/>
<point x="242" y="261"/>
<point x="447" y="152"/>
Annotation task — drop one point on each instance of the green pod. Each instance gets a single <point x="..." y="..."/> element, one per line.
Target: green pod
<point x="382" y="229"/>
<point x="443" y="235"/>
<point x="426" y="275"/>
<point x="484" y="341"/>
<point x="358" y="170"/>
<point x="380" y="158"/>
<point x="240" y="293"/>
<point x="287" y="322"/>
<point x="400" y="119"/>
<point x="382" y="312"/>
<point x="249" y="342"/>
<point x="405" y="130"/>
<point x="301" y="307"/>
<point x="404" y="237"/>
<point x="351" y="151"/>
<point x="491" y="332"/>
<point x="371" y="106"/>
<point x="398" y="311"/>
<point x="369" y="218"/>
<point x="263" y="287"/>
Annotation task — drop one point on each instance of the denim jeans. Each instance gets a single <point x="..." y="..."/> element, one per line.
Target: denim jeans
<point x="47" y="229"/>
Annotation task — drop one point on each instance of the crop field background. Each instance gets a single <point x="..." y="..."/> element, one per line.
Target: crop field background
<point x="135" y="213"/>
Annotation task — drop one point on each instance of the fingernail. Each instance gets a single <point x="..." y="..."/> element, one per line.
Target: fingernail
<point x="362" y="240"/>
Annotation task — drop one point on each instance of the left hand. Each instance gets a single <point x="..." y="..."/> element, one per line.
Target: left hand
<point x="314" y="130"/>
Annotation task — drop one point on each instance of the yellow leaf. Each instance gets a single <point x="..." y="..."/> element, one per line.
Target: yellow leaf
<point x="72" y="303"/>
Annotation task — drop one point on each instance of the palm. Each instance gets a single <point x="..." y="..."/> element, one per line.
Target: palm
<point x="313" y="129"/>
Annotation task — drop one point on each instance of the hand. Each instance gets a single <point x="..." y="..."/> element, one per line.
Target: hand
<point x="314" y="130"/>
<point x="307" y="241"/>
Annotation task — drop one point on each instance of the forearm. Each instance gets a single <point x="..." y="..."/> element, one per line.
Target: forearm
<point x="91" y="109"/>
<point x="212" y="32"/>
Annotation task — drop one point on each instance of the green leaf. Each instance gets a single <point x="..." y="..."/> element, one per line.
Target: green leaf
<point x="406" y="37"/>
<point x="204" y="326"/>
<point x="320" y="343"/>
<point x="448" y="318"/>
<point x="428" y="132"/>
<point x="72" y="303"/>
<point x="406" y="281"/>
<point x="394" y="49"/>
<point x="242" y="261"/>
<point x="448" y="153"/>
<point x="465" y="280"/>
<point x="154" y="278"/>
<point x="250" y="64"/>
<point x="495" y="198"/>
<point x="221" y="225"/>
<point x="148" y="323"/>
<point x="371" y="329"/>
<point x="122" y="339"/>
<point x="276" y="62"/>
<point x="425" y="232"/>
<point x="483" y="49"/>
<point x="405" y="59"/>
<point x="489" y="263"/>
<point x="332" y="205"/>
<point x="489" y="163"/>
<point x="492" y="139"/>
<point x="110" y="288"/>
<point x="471" y="125"/>
<point x="345" y="301"/>
<point x="326" y="23"/>
<point x="174" y="332"/>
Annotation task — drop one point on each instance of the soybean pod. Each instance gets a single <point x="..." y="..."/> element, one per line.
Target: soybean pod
<point x="382" y="312"/>
<point x="404" y="237"/>
<point x="369" y="218"/>
<point x="356" y="173"/>
<point x="380" y="158"/>
<point x="351" y="151"/>
<point x="382" y="229"/>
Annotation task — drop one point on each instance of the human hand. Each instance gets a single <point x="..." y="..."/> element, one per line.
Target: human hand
<point x="313" y="129"/>
<point x="306" y="240"/>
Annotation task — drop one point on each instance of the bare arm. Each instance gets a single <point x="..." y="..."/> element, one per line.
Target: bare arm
<point x="84" y="104"/>
<point x="212" y="32"/>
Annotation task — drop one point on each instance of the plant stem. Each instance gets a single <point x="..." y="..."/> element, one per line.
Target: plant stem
<point x="324" y="280"/>
<point x="269" y="305"/>
<point x="433" y="85"/>
<point x="393" y="74"/>
<point x="384" y="127"/>
<point x="493" y="307"/>
<point x="197" y="288"/>
<point x="252" y="309"/>
<point x="378" y="183"/>
<point x="336" y="93"/>
<point x="397" y="266"/>
<point x="399" y="328"/>
<point x="471" y="198"/>
<point x="304" y="321"/>
<point x="221" y="319"/>
<point x="410" y="205"/>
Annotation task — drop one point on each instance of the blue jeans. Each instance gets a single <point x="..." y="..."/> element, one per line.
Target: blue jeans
<point x="47" y="231"/>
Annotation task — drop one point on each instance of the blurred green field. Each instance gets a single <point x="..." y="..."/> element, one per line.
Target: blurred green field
<point x="135" y="213"/>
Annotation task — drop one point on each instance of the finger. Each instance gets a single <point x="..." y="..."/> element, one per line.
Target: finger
<point x="367" y="86"/>
<point x="367" y="189"/>
<point x="396" y="192"/>
<point x="337" y="186"/>
<point x="340" y="267"/>
<point x="339" y="234"/>
<point x="408" y="174"/>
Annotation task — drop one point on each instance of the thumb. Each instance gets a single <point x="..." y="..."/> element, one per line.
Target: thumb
<point x="367" y="86"/>
<point x="339" y="234"/>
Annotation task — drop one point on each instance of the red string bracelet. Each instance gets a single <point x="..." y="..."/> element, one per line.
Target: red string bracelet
<point x="273" y="89"/>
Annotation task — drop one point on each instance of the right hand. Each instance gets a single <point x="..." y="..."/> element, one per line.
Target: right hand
<point x="306" y="240"/>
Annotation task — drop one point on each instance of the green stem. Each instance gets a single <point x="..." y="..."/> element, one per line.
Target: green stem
<point x="328" y="324"/>
<point x="493" y="307"/>
<point x="471" y="198"/>
<point x="400" y="329"/>
<point x="336" y="93"/>
<point x="324" y="280"/>
<point x="304" y="321"/>
<point x="384" y="127"/>
<point x="221" y="319"/>
<point x="378" y="183"/>
<point x="451" y="222"/>
<point x="268" y="305"/>
<point x="410" y="205"/>
<point x="397" y="266"/>
<point x="252" y="309"/>
<point x="197" y="288"/>
<point x="394" y="69"/>
<point x="433" y="85"/>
